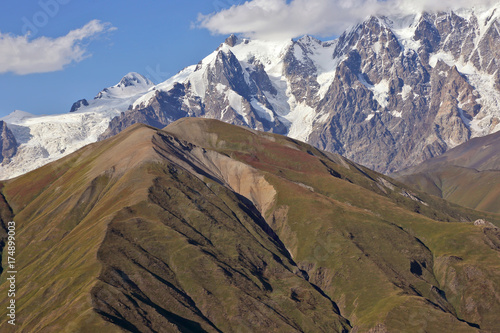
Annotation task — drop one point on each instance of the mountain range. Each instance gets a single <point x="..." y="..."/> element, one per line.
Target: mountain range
<point x="389" y="93"/>
<point x="209" y="227"/>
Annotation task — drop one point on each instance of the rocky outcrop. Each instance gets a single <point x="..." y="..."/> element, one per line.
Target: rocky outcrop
<point x="162" y="109"/>
<point x="8" y="143"/>
<point x="230" y="93"/>
<point x="78" y="104"/>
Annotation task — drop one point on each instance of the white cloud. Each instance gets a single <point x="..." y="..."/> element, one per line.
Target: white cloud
<point x="277" y="19"/>
<point x="20" y="55"/>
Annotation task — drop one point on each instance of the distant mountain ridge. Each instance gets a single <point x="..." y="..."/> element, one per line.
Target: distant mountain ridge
<point x="468" y="175"/>
<point x="389" y="93"/>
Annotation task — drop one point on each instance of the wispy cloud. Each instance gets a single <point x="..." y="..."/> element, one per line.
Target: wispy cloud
<point x="20" y="55"/>
<point x="280" y="19"/>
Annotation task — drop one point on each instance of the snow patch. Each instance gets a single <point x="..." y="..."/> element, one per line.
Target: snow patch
<point x="301" y="118"/>
<point x="405" y="92"/>
<point x="405" y="36"/>
<point x="221" y="88"/>
<point x="381" y="93"/>
<point x="397" y="114"/>
<point x="268" y="53"/>
<point x="326" y="66"/>
<point x="262" y="110"/>
<point x="298" y="53"/>
<point x="377" y="47"/>
<point x="199" y="83"/>
<point x="235" y="101"/>
<point x="380" y="90"/>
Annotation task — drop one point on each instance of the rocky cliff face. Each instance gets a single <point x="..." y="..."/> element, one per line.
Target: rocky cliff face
<point x="391" y="104"/>
<point x="8" y="142"/>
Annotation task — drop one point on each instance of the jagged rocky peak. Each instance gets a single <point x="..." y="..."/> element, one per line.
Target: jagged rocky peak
<point x="309" y="41"/>
<point x="231" y="40"/>
<point x="79" y="104"/>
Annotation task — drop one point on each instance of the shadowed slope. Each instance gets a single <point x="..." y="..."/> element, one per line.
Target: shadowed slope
<point x="372" y="244"/>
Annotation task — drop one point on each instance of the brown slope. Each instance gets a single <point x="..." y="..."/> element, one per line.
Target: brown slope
<point x="468" y="175"/>
<point x="478" y="153"/>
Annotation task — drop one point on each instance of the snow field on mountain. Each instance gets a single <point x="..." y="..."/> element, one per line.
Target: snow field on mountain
<point x="48" y="138"/>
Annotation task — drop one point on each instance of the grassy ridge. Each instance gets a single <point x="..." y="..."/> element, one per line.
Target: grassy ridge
<point x="146" y="231"/>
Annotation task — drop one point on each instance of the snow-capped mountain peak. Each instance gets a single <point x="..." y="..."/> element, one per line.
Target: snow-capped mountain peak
<point x="134" y="79"/>
<point x="130" y="85"/>
<point x="17" y="116"/>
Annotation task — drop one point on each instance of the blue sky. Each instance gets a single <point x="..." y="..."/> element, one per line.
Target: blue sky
<point x="154" y="38"/>
<point x="78" y="47"/>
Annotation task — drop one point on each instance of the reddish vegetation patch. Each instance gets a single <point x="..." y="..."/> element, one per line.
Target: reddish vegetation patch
<point x="272" y="157"/>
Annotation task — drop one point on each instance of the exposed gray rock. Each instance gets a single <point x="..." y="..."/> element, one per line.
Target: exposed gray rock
<point x="78" y="104"/>
<point x="8" y="143"/>
<point x="231" y="40"/>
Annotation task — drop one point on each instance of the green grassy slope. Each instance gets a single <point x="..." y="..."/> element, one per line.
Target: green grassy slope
<point x="467" y="187"/>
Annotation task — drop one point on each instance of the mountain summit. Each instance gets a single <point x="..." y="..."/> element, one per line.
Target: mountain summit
<point x="46" y="138"/>
<point x="388" y="93"/>
<point x="130" y="85"/>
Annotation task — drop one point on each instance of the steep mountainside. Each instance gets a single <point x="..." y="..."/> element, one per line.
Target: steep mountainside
<point x="468" y="175"/>
<point x="389" y="93"/>
<point x="209" y="227"/>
